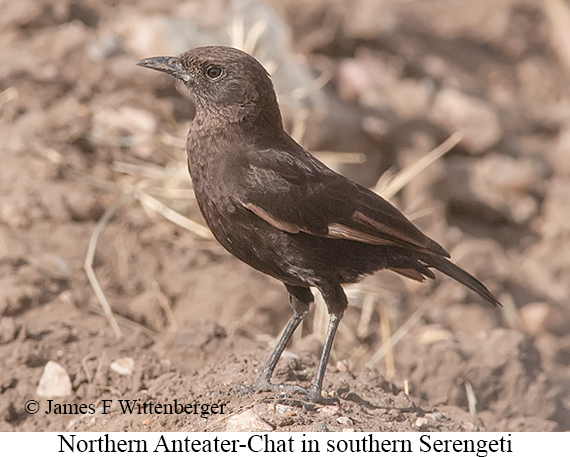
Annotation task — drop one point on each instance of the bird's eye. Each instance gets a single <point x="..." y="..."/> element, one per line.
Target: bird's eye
<point x="213" y="72"/>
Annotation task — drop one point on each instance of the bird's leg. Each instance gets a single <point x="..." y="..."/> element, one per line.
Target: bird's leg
<point x="337" y="302"/>
<point x="300" y="299"/>
<point x="315" y="395"/>
<point x="263" y="382"/>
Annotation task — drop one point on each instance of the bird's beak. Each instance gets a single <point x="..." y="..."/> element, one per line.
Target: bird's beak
<point x="170" y="65"/>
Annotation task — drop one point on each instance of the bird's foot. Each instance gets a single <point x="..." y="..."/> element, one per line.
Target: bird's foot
<point x="263" y="385"/>
<point x="314" y="396"/>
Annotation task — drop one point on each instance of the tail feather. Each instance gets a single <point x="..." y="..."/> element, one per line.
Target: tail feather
<point x="460" y="275"/>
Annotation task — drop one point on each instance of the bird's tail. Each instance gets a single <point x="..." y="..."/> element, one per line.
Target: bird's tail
<point x="460" y="275"/>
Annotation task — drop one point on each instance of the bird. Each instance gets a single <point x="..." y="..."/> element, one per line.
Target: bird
<point x="276" y="207"/>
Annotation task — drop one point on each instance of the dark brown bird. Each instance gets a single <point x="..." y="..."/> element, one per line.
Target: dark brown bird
<point x="277" y="208"/>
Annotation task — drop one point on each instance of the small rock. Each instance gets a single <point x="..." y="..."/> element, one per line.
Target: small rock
<point x="539" y="317"/>
<point x="534" y="316"/>
<point x="343" y="366"/>
<point x="410" y="98"/>
<point x="54" y="382"/>
<point x="293" y="359"/>
<point x="283" y="409"/>
<point x="421" y="422"/>
<point x="346" y="421"/>
<point x="478" y="121"/>
<point x="468" y="427"/>
<point x="330" y="410"/>
<point x="248" y="421"/>
<point x="124" y="366"/>
<point x="352" y="78"/>
<point x="434" y="417"/>
<point x="83" y="205"/>
<point x="8" y="330"/>
<point x="509" y="185"/>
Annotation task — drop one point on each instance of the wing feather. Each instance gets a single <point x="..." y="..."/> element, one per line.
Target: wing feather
<point x="295" y="193"/>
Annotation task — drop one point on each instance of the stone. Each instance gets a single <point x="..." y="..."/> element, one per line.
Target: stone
<point x="539" y="317"/>
<point x="248" y="421"/>
<point x="124" y="366"/>
<point x="476" y="119"/>
<point x="8" y="330"/>
<point x="54" y="382"/>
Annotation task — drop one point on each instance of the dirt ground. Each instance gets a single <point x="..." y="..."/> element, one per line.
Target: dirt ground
<point x="368" y="86"/>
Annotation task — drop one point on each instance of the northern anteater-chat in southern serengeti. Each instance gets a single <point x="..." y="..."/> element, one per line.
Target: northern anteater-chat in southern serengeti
<point x="274" y="206"/>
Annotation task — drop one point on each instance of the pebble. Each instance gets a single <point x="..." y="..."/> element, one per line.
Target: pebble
<point x="54" y="382"/>
<point x="330" y="410"/>
<point x="343" y="366"/>
<point x="508" y="184"/>
<point x="433" y="417"/>
<point x="346" y="421"/>
<point x="475" y="118"/>
<point x="124" y="366"/>
<point x="534" y="316"/>
<point x="83" y="204"/>
<point x="540" y="317"/>
<point x="410" y="98"/>
<point x="294" y="359"/>
<point x="421" y="422"/>
<point x="468" y="427"/>
<point x="8" y="330"/>
<point x="283" y="409"/>
<point x="248" y="421"/>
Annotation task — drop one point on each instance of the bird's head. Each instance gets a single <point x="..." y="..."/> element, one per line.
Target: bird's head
<point x="226" y="83"/>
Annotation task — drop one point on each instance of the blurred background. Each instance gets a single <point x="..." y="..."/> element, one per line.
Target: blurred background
<point x="93" y="178"/>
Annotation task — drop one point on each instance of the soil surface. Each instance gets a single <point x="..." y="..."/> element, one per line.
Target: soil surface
<point x="91" y="143"/>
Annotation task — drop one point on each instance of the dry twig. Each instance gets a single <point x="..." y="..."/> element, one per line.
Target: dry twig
<point x="171" y="215"/>
<point x="390" y="187"/>
<point x="88" y="265"/>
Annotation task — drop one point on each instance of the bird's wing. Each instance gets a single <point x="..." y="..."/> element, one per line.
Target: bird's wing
<point x="295" y="193"/>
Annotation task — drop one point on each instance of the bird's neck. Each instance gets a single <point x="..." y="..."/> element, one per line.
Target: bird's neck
<point x="261" y="115"/>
